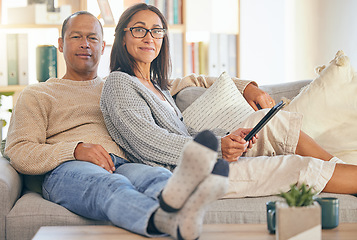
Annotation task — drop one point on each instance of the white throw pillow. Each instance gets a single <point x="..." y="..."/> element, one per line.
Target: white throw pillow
<point x="329" y="106"/>
<point x="220" y="106"/>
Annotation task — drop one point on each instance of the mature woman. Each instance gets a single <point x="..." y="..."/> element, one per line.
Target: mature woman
<point x="143" y="119"/>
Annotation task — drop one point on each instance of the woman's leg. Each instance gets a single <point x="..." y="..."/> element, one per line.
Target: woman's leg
<point x="343" y="180"/>
<point x="308" y="147"/>
<point x="282" y="136"/>
<point x="264" y="176"/>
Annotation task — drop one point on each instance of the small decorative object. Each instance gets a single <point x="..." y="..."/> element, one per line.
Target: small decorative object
<point x="46" y="62"/>
<point x="300" y="216"/>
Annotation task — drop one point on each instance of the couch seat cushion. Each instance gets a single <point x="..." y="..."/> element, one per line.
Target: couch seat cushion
<point x="253" y="210"/>
<point x="32" y="211"/>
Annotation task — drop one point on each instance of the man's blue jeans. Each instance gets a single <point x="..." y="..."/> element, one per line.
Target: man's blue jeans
<point x="127" y="198"/>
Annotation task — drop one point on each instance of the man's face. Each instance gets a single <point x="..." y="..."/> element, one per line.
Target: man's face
<point x="82" y="45"/>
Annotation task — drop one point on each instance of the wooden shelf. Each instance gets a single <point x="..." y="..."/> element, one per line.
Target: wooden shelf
<point x="11" y="26"/>
<point x="11" y="88"/>
<point x="17" y="26"/>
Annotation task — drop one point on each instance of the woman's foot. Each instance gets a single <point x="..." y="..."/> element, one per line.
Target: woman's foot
<point x="197" y="161"/>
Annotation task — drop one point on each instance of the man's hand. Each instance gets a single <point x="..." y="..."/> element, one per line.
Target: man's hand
<point x="96" y="154"/>
<point x="255" y="96"/>
<point x="234" y="145"/>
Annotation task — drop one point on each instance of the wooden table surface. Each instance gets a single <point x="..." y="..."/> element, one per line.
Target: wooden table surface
<point x="345" y="231"/>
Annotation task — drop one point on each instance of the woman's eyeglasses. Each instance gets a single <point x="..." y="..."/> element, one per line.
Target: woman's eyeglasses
<point x="140" y="32"/>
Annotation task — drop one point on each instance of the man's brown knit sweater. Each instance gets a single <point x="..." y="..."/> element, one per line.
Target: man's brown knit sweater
<point x="50" y="119"/>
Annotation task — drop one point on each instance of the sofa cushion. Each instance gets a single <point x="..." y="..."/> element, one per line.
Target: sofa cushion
<point x="32" y="211"/>
<point x="329" y="106"/>
<point x="222" y="106"/>
<point x="253" y="210"/>
<point x="187" y="96"/>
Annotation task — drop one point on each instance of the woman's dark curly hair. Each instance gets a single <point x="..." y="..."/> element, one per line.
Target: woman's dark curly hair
<point x="121" y="60"/>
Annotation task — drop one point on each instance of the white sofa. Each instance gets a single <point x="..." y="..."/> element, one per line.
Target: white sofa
<point x="23" y="212"/>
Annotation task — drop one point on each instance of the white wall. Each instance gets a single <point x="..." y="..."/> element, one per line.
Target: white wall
<point x="284" y="40"/>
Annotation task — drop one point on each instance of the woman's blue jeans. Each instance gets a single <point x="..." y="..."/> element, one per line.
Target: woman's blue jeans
<point x="127" y="198"/>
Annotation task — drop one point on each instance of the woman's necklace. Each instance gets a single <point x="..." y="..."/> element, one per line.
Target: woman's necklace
<point x="146" y="79"/>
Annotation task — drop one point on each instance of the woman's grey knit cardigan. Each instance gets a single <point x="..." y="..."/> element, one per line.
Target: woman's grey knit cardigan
<point x="141" y="124"/>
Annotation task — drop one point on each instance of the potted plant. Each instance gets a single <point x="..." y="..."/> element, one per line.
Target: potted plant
<point x="299" y="216"/>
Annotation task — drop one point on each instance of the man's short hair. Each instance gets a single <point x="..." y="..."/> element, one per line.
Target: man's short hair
<point x="64" y="25"/>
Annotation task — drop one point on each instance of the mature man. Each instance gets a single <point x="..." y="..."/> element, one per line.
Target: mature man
<point x="57" y="130"/>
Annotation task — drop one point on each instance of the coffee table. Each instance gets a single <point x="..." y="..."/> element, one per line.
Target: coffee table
<point x="345" y="231"/>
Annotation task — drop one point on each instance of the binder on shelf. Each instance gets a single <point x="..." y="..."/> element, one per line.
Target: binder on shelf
<point x="213" y="65"/>
<point x="223" y="53"/>
<point x="232" y="55"/>
<point x="23" y="59"/>
<point x="12" y="61"/>
<point x="3" y="60"/>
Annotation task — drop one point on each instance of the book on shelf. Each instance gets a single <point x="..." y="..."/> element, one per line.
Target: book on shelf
<point x="197" y="56"/>
<point x="171" y="9"/>
<point x="193" y="58"/>
<point x="203" y="57"/>
<point x="169" y="13"/>
<point x="176" y="11"/>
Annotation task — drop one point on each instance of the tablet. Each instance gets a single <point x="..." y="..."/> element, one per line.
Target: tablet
<point x="264" y="120"/>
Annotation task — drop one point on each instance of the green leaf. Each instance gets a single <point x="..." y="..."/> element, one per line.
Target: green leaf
<point x="3" y="123"/>
<point x="298" y="197"/>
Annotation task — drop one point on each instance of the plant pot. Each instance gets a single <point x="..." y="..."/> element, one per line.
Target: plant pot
<point x="298" y="222"/>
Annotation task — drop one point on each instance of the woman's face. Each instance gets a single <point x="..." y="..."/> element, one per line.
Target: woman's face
<point x="143" y="50"/>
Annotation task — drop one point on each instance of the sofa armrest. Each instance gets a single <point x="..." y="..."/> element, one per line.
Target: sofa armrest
<point x="289" y="90"/>
<point x="10" y="189"/>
